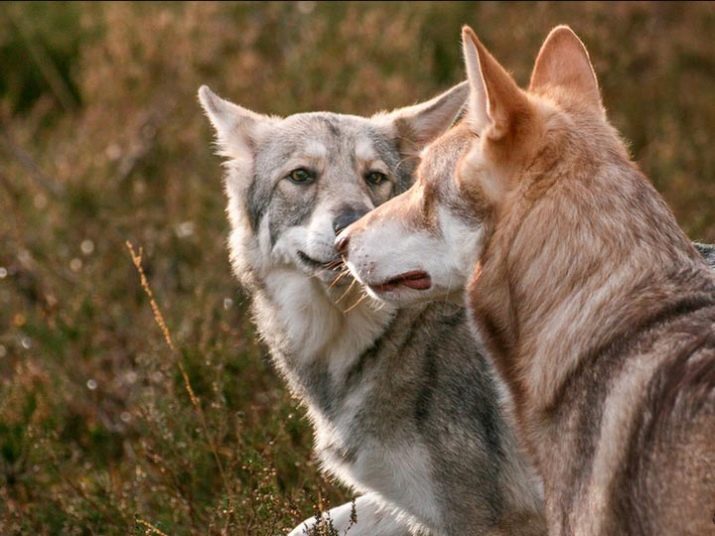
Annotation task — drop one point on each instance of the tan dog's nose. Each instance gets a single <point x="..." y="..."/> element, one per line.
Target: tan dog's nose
<point x="341" y="244"/>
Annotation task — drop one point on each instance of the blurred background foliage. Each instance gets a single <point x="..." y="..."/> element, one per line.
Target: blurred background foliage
<point x="102" y="141"/>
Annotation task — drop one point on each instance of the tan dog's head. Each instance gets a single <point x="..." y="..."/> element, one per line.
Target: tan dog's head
<point x="420" y="245"/>
<point x="425" y="243"/>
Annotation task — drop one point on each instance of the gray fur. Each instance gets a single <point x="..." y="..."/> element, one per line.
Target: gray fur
<point x="404" y="406"/>
<point x="707" y="251"/>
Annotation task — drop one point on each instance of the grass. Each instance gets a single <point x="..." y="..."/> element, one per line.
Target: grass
<point x="104" y="427"/>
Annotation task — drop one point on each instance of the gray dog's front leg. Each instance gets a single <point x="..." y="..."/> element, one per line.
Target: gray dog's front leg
<point x="371" y="521"/>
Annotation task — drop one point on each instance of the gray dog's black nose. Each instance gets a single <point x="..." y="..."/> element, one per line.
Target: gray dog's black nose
<point x="347" y="216"/>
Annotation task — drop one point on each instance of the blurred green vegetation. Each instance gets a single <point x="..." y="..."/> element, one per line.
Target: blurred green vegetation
<point x="102" y="141"/>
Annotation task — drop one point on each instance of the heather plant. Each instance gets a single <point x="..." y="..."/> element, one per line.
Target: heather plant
<point x="105" y="427"/>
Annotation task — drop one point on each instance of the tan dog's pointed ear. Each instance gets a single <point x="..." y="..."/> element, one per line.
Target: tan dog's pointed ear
<point x="495" y="100"/>
<point x="237" y="128"/>
<point x="563" y="62"/>
<point x="421" y="123"/>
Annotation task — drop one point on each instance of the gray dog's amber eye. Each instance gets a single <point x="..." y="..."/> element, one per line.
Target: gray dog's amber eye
<point x="301" y="176"/>
<point x="375" y="178"/>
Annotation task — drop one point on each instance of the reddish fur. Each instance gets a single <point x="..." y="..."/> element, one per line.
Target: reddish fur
<point x="563" y="178"/>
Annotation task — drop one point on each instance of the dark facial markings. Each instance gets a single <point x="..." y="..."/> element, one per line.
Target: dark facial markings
<point x="258" y="198"/>
<point x="288" y="212"/>
<point x="332" y="127"/>
<point x="401" y="166"/>
<point x="260" y="191"/>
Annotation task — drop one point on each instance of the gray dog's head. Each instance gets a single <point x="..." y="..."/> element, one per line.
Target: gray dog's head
<point x="294" y="183"/>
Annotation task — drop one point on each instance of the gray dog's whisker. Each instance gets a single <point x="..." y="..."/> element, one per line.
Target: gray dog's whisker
<point x="350" y="287"/>
<point x="358" y="302"/>
<point x="340" y="276"/>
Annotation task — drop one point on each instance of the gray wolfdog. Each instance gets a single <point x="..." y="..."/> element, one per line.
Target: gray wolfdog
<point x="597" y="311"/>
<point x="403" y="405"/>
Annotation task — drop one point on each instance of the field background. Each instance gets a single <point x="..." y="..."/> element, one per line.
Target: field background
<point x="102" y="141"/>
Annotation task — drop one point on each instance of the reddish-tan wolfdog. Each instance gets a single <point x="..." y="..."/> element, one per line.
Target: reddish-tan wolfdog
<point x="595" y="308"/>
<point x="609" y="351"/>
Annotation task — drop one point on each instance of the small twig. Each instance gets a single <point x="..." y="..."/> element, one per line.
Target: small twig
<point x="195" y="402"/>
<point x="137" y="260"/>
<point x="152" y="528"/>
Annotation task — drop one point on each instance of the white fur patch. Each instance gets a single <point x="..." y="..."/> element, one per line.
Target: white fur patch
<point x="402" y="475"/>
<point x="389" y="248"/>
<point x="409" y="484"/>
<point x="315" y="149"/>
<point x="463" y="243"/>
<point x="364" y="150"/>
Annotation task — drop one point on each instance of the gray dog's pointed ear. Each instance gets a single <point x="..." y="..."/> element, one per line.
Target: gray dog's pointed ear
<point x="237" y="129"/>
<point x="418" y="125"/>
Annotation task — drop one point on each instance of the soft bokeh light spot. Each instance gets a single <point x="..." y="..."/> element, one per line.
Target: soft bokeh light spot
<point x="185" y="229"/>
<point x="87" y="247"/>
<point x="39" y="201"/>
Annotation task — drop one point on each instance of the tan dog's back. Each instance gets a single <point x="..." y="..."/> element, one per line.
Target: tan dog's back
<point x="672" y="455"/>
<point x="608" y="351"/>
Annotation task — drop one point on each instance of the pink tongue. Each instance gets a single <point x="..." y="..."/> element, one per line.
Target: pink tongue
<point x="417" y="282"/>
